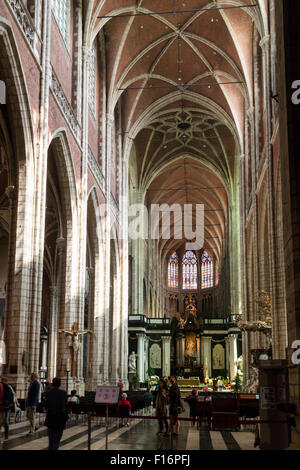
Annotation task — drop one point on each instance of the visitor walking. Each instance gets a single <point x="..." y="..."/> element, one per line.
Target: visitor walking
<point x="175" y="404"/>
<point x="32" y="401"/>
<point x="161" y="406"/>
<point x="57" y="413"/>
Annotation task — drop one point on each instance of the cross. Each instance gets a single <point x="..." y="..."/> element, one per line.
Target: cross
<point x="75" y="333"/>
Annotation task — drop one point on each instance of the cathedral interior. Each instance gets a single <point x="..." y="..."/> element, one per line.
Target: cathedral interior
<point x="112" y="110"/>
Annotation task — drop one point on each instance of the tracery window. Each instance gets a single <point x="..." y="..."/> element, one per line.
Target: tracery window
<point x="61" y="12"/>
<point x="173" y="271"/>
<point x="92" y="79"/>
<point x="207" y="271"/>
<point x="189" y="271"/>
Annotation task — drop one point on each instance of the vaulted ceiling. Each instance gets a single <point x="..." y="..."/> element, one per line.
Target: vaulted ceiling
<point x="183" y="72"/>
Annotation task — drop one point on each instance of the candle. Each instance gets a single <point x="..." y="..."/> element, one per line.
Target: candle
<point x="68" y="365"/>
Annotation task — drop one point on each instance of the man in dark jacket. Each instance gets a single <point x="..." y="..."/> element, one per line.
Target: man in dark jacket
<point x="192" y="401"/>
<point x="32" y="401"/>
<point x="57" y="414"/>
<point x="174" y="400"/>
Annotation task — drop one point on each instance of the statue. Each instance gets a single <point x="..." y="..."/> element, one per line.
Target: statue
<point x="239" y="365"/>
<point x="182" y="323"/>
<point x="75" y="345"/>
<point x="132" y="362"/>
<point x="190" y="308"/>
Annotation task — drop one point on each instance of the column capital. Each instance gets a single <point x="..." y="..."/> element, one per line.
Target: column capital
<point x="141" y="335"/>
<point x="250" y="113"/>
<point x="61" y="245"/>
<point x="87" y="52"/>
<point x="166" y="339"/>
<point x="110" y="118"/>
<point x="10" y="192"/>
<point x="265" y="41"/>
<point x="91" y="272"/>
<point x="53" y="290"/>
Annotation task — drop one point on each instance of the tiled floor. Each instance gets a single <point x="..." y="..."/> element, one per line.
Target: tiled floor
<point x="140" y="435"/>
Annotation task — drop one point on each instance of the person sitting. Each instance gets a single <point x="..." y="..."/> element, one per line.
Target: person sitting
<point x="73" y="398"/>
<point x="124" y="402"/>
<point x="148" y="397"/>
<point x="192" y="402"/>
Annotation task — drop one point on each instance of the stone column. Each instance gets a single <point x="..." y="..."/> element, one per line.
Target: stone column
<point x="146" y="358"/>
<point x="138" y="262"/>
<point x="140" y="354"/>
<point x="178" y="348"/>
<point x="232" y="338"/>
<point x="227" y="362"/>
<point x="166" y="343"/>
<point x="198" y="350"/>
<point x="206" y="356"/>
<point x="44" y="350"/>
<point x="53" y="339"/>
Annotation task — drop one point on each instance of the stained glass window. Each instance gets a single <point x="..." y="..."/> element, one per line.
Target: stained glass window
<point x="173" y="271"/>
<point x="207" y="271"/>
<point x="189" y="271"/>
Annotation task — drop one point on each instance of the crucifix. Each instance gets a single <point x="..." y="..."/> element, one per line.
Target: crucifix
<point x="75" y="333"/>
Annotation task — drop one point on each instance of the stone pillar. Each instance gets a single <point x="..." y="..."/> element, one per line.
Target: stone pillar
<point x="178" y="351"/>
<point x="44" y="350"/>
<point x="232" y="338"/>
<point x="198" y="351"/>
<point x="146" y="358"/>
<point x="53" y="339"/>
<point x="166" y="369"/>
<point x="140" y="354"/>
<point x="138" y="262"/>
<point x="206" y="356"/>
<point x="227" y="362"/>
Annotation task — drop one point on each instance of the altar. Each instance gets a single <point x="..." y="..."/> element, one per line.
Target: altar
<point x="186" y="385"/>
<point x="204" y="347"/>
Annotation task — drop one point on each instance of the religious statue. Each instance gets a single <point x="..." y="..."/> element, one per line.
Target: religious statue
<point x="239" y="365"/>
<point x="75" y="345"/>
<point x="190" y="308"/>
<point x="182" y="323"/>
<point x="132" y="362"/>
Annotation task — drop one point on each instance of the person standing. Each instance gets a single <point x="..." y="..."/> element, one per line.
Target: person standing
<point x="192" y="401"/>
<point x="161" y="406"/>
<point x="174" y="400"/>
<point x="9" y="405"/>
<point x="32" y="401"/>
<point x="57" y="413"/>
<point x="6" y="403"/>
<point x="124" y="402"/>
